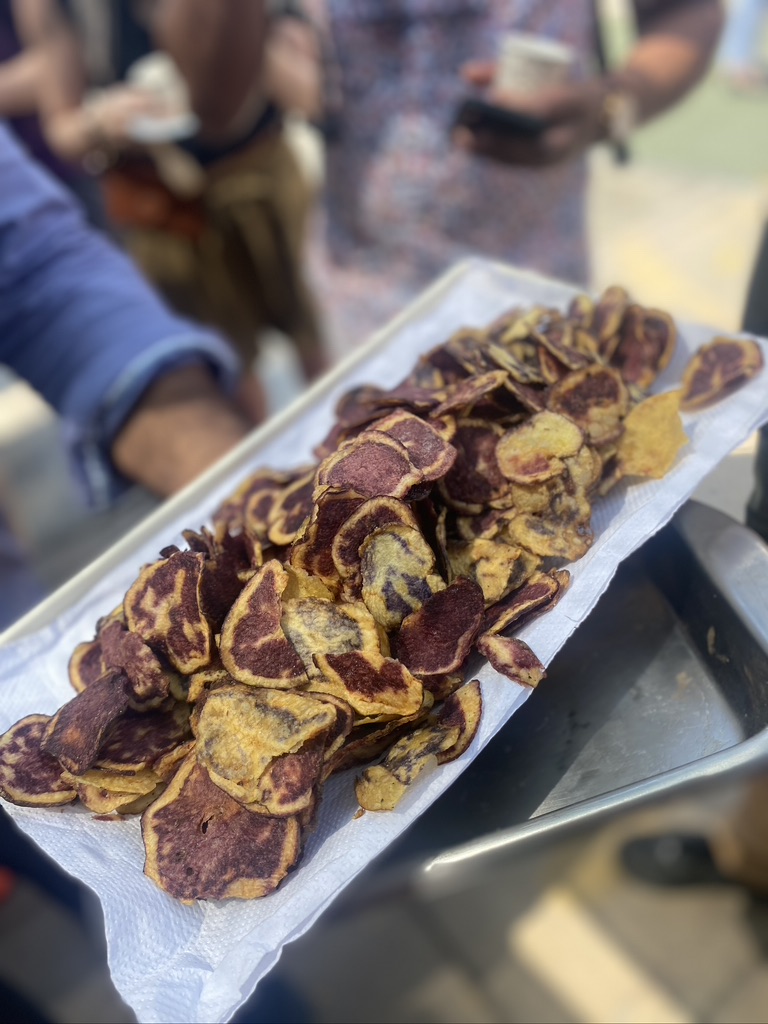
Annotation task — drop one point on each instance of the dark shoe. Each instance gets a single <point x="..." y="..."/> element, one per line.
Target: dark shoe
<point x="671" y="860"/>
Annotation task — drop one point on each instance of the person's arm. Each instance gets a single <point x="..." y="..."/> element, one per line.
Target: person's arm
<point x="139" y="389"/>
<point x="73" y="128"/>
<point x="182" y="424"/>
<point x="219" y="50"/>
<point x="19" y="83"/>
<point x="677" y="40"/>
<point x="292" y="67"/>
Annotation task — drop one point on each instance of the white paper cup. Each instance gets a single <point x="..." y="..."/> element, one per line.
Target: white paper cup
<point x="528" y="63"/>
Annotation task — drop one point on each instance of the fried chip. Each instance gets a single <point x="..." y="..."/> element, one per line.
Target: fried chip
<point x="382" y="787"/>
<point x="398" y="575"/>
<point x="653" y="436"/>
<point x="288" y="785"/>
<point x="373" y="514"/>
<point x="581" y="311"/>
<point x="373" y="686"/>
<point x="512" y="658"/>
<point x="607" y="318"/>
<point x="595" y="399"/>
<point x="86" y="665"/>
<point x="536" y="593"/>
<point x="717" y="369"/>
<point x="429" y="452"/>
<point x="291" y="509"/>
<point x="436" y="639"/>
<point x="564" y="533"/>
<point x="467" y="393"/>
<point x="29" y="776"/>
<point x="462" y="710"/>
<point x="164" y="608"/>
<point x="313" y="552"/>
<point x="241" y="730"/>
<point x="315" y="627"/>
<point x="372" y="464"/>
<point x="256" y="494"/>
<point x="534" y="451"/>
<point x="141" y="740"/>
<point x="253" y="647"/>
<point x="494" y="565"/>
<point x="203" y="845"/>
<point x="104" y="801"/>
<point x="77" y="730"/>
<point x="645" y="347"/>
<point x="148" y="680"/>
<point x="224" y="573"/>
<point x="126" y="784"/>
<point x="475" y="478"/>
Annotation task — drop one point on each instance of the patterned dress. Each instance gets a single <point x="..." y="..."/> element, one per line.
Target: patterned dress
<point x="401" y="203"/>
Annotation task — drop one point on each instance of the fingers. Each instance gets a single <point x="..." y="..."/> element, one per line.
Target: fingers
<point x="478" y="72"/>
<point x="552" y="146"/>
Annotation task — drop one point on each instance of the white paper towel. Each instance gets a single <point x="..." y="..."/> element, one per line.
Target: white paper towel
<point x="172" y="962"/>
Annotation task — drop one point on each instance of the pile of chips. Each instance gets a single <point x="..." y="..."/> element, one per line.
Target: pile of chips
<point x="327" y="618"/>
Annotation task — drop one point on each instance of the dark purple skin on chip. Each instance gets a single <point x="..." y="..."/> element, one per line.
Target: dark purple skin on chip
<point x="174" y="641"/>
<point x="361" y="677"/>
<point x="142" y="737"/>
<point x="517" y="662"/>
<point x="86" y="664"/>
<point x="533" y="595"/>
<point x="147" y="677"/>
<point x="78" y="731"/>
<point x="291" y="778"/>
<point x="206" y="841"/>
<point x="644" y="343"/>
<point x="264" y="606"/>
<point x="25" y="767"/>
<point x="333" y="509"/>
<point x="512" y="657"/>
<point x="467" y="393"/>
<point x="374" y="514"/>
<point x="437" y="638"/>
<point x="426" y="448"/>
<point x="595" y="389"/>
<point x="220" y="584"/>
<point x="475" y="478"/>
<point x="272" y="657"/>
<point x="292" y="508"/>
<point x="372" y="467"/>
<point x="453" y="715"/>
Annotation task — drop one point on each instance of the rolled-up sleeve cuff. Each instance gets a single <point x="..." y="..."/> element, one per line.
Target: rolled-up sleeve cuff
<point x="91" y="445"/>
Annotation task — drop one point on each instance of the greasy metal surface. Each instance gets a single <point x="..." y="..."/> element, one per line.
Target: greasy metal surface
<point x="665" y="684"/>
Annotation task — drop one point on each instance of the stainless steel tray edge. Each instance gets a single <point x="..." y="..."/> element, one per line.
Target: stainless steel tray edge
<point x="737" y="559"/>
<point x="240" y="459"/>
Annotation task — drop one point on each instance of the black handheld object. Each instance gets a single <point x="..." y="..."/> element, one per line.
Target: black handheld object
<point x="479" y="115"/>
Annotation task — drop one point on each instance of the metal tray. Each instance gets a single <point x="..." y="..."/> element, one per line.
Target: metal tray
<point x="663" y="687"/>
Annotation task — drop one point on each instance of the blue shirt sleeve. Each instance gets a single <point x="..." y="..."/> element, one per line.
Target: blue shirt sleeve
<point x="77" y="319"/>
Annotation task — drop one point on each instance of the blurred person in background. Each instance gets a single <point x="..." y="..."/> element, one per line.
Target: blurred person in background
<point x="20" y="75"/>
<point x="741" y="56"/>
<point x="407" y="194"/>
<point x="178" y="106"/>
